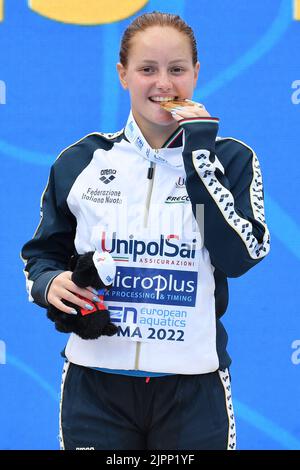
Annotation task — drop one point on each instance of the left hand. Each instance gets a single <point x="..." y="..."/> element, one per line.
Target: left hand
<point x="190" y="111"/>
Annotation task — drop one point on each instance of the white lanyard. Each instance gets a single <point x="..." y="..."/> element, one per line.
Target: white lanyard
<point x="135" y="137"/>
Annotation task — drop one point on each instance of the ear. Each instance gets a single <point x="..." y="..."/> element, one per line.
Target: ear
<point x="196" y="73"/>
<point x="122" y="72"/>
<point x="83" y="270"/>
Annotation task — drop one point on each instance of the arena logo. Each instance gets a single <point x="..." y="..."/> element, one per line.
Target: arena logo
<point x="85" y="448"/>
<point x="169" y="246"/>
<point x="107" y="175"/>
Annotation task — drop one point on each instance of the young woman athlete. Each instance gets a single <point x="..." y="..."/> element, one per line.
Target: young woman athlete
<point x="179" y="210"/>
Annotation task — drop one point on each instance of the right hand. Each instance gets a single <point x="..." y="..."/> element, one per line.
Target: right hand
<point x="63" y="288"/>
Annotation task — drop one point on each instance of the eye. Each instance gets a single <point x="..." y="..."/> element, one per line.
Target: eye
<point x="177" y="70"/>
<point x="147" y="70"/>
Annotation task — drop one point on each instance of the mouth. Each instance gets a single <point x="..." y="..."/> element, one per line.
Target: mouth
<point x="162" y="99"/>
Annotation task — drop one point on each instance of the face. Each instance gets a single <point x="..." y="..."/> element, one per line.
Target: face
<point x="160" y="67"/>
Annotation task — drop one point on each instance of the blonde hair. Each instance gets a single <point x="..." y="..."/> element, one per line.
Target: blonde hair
<point x="142" y="22"/>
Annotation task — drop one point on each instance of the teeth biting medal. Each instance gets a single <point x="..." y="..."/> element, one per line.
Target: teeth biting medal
<point x="175" y="104"/>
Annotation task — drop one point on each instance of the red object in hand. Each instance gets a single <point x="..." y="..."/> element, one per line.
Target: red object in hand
<point x="97" y="305"/>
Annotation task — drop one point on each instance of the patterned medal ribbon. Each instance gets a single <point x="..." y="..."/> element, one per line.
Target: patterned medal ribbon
<point x="135" y="137"/>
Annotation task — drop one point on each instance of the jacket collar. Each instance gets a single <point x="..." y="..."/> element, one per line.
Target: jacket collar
<point x="135" y="137"/>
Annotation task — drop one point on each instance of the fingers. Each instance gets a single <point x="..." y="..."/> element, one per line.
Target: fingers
<point x="63" y="288"/>
<point x="176" y="116"/>
<point x="189" y="112"/>
<point x="200" y="105"/>
<point x="91" y="289"/>
<point x="87" y="292"/>
<point x="192" y="110"/>
<point x="63" y="307"/>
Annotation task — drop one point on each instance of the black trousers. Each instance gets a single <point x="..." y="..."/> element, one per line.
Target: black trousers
<point x="104" y="411"/>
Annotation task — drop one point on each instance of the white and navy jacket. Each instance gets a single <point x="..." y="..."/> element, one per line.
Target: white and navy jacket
<point x="176" y="232"/>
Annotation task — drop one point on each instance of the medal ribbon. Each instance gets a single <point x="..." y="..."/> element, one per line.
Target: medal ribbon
<point x="135" y="137"/>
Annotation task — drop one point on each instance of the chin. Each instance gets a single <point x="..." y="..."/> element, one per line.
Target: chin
<point x="164" y="120"/>
<point x="167" y="123"/>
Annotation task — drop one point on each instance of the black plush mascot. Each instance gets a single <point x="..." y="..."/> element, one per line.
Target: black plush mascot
<point x="90" y="269"/>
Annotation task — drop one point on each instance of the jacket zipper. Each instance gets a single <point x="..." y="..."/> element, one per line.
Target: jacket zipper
<point x="150" y="176"/>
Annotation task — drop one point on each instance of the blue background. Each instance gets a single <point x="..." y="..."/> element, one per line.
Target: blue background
<point x="60" y="85"/>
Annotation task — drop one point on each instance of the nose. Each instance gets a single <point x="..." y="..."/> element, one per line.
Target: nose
<point x="163" y="82"/>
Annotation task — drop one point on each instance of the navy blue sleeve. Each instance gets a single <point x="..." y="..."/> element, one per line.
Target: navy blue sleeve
<point x="225" y="179"/>
<point x="47" y="254"/>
